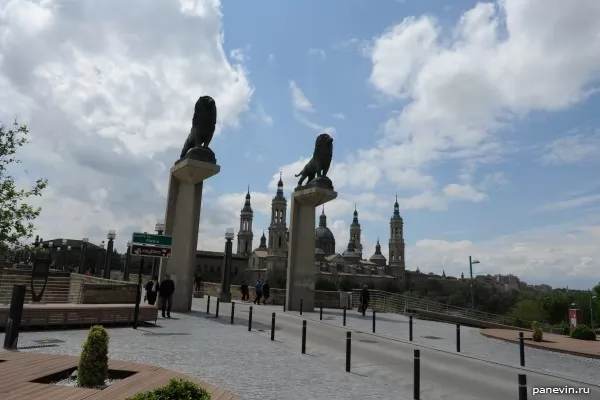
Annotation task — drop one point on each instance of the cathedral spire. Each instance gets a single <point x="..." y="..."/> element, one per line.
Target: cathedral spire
<point x="280" y="186"/>
<point x="247" y="206"/>
<point x="323" y="218"/>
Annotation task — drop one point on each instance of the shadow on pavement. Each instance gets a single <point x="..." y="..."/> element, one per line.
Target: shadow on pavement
<point x="226" y="320"/>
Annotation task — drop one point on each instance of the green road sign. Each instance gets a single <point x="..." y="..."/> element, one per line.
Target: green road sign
<point x="150" y="251"/>
<point x="156" y="240"/>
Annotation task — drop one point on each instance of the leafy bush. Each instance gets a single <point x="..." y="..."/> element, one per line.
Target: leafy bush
<point x="537" y="331"/>
<point x="583" y="332"/>
<point x="176" y="389"/>
<point x="93" y="364"/>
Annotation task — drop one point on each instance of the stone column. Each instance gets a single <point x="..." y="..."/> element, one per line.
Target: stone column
<point x="301" y="250"/>
<point x="182" y="222"/>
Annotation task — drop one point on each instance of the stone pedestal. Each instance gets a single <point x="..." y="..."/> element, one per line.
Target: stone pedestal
<point x="182" y="222"/>
<point x="301" y="250"/>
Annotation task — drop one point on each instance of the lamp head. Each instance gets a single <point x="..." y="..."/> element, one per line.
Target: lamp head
<point x="64" y="242"/>
<point x="229" y="234"/>
<point x="112" y="234"/>
<point x="85" y="240"/>
<point x="160" y="225"/>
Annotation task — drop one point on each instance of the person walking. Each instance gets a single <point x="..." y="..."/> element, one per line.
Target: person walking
<point x="152" y="290"/>
<point x="266" y="291"/>
<point x="364" y="299"/>
<point x="258" y="291"/>
<point x="165" y="291"/>
<point x="245" y="291"/>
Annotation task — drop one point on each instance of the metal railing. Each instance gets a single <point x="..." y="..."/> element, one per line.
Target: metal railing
<point x="405" y="304"/>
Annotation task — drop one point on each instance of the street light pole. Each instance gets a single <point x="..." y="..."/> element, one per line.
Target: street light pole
<point x="99" y="259"/>
<point x="592" y="297"/>
<point x="159" y="227"/>
<point x="112" y="234"/>
<point x="225" y="295"/>
<point x="471" y="262"/>
<point x="127" y="262"/>
<point x="82" y="256"/>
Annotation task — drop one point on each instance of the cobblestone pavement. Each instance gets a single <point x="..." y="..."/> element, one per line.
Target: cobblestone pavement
<point x="443" y="336"/>
<point x="248" y="364"/>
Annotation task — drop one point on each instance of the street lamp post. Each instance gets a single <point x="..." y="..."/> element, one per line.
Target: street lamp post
<point x="127" y="262"/>
<point x="592" y="298"/>
<point x="64" y="254"/>
<point x="112" y="234"/>
<point x="82" y="255"/>
<point x="471" y="262"/>
<point x="99" y="259"/>
<point x="58" y="259"/>
<point x="50" y="244"/>
<point x="159" y="227"/>
<point x="225" y="296"/>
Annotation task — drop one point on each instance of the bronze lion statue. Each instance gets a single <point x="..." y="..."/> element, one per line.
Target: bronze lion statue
<point x="321" y="160"/>
<point x="204" y="122"/>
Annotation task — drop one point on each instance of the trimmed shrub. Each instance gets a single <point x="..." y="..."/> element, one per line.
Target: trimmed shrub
<point x="538" y="334"/>
<point x="583" y="332"/>
<point x="93" y="364"/>
<point x="176" y="389"/>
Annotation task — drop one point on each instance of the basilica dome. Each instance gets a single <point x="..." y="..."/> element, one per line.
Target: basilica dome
<point x="324" y="238"/>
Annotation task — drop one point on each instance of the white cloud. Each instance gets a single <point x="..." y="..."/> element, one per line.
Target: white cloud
<point x="299" y="100"/>
<point x="108" y="94"/>
<point x="464" y="192"/>
<point x="318" y="53"/>
<point x="573" y="149"/>
<point x="560" y="254"/>
<point x="570" y="203"/>
<point x="338" y="115"/>
<point x="458" y="91"/>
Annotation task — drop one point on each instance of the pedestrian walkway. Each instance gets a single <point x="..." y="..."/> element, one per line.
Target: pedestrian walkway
<point x="227" y="356"/>
<point x="551" y="342"/>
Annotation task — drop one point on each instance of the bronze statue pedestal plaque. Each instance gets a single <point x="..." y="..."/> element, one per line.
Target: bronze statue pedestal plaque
<point x="182" y="222"/>
<point x="301" y="251"/>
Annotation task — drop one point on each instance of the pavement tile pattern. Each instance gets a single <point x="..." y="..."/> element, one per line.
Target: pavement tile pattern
<point x="247" y="364"/>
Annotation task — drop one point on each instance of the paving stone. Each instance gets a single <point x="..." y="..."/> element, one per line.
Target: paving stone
<point x="248" y="364"/>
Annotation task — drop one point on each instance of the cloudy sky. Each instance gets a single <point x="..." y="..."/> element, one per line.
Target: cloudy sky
<point x="482" y="117"/>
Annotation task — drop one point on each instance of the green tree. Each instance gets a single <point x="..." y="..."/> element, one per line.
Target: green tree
<point x="16" y="216"/>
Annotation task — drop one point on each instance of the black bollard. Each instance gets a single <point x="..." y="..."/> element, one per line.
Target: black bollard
<point x="301" y="304"/>
<point x="284" y="304"/>
<point x="373" y="321"/>
<point x="348" y="350"/>
<point x="217" y="310"/>
<point x="522" y="387"/>
<point x="522" y="348"/>
<point x="321" y="313"/>
<point x="304" y="337"/>
<point x="417" y="375"/>
<point x="410" y="329"/>
<point x="273" y="326"/>
<point x="232" y="311"/>
<point x="250" y="320"/>
<point x="208" y="305"/>
<point x="11" y="337"/>
<point x="458" y="338"/>
<point x="344" y="315"/>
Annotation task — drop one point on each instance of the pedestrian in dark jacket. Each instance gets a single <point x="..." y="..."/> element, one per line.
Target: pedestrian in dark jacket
<point x="364" y="299"/>
<point x="266" y="291"/>
<point x="245" y="291"/>
<point x="152" y="290"/>
<point x="258" y="292"/>
<point x="165" y="291"/>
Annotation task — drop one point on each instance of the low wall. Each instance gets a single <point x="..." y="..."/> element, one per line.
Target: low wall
<point x="105" y="293"/>
<point x="322" y="298"/>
